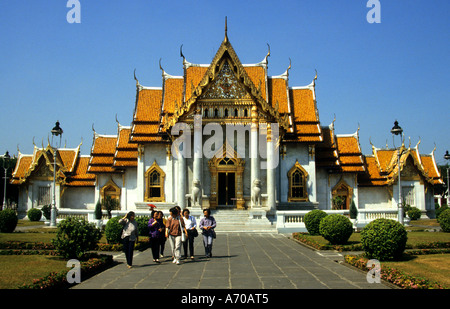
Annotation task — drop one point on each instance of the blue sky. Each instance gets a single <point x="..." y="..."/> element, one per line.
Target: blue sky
<point x="82" y="74"/>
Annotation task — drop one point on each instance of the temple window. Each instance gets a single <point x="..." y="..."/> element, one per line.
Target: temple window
<point x="341" y="195"/>
<point x="236" y="112"/>
<point x="297" y="176"/>
<point x="245" y="112"/>
<point x="216" y="112"/>
<point x="226" y="112"/>
<point x="154" y="179"/>
<point x="110" y="193"/>
<point x="44" y="196"/>
<point x="206" y="113"/>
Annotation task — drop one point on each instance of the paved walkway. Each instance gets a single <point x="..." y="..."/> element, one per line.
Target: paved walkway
<point x="240" y="261"/>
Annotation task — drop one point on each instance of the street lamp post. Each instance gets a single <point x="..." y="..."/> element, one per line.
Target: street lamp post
<point x="6" y="158"/>
<point x="56" y="131"/>
<point x="447" y="157"/>
<point x="397" y="130"/>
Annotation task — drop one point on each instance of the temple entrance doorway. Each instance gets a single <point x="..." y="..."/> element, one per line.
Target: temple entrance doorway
<point x="227" y="171"/>
<point x="227" y="188"/>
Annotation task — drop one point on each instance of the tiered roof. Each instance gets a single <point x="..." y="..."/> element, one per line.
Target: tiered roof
<point x="71" y="167"/>
<point x="157" y="109"/>
<point x="383" y="167"/>
<point x="113" y="153"/>
<point x="340" y="152"/>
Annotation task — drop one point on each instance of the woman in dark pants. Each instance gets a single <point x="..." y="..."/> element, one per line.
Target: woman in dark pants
<point x="130" y="235"/>
<point x="207" y="225"/>
<point x="162" y="241"/>
<point x="155" y="229"/>
<point x="191" y="225"/>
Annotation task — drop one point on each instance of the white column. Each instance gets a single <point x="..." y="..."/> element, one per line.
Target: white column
<point x="169" y="187"/>
<point x="312" y="173"/>
<point x="271" y="166"/>
<point x="197" y="168"/>
<point x="254" y="155"/>
<point x="140" y="174"/>
<point x="181" y="180"/>
<point x="124" y="197"/>
<point x="29" y="197"/>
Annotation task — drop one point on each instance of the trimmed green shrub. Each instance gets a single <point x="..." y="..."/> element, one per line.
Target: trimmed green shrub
<point x="47" y="211"/>
<point x="34" y="214"/>
<point x="113" y="231"/>
<point x="142" y="223"/>
<point x="336" y="228"/>
<point x="384" y="239"/>
<point x="444" y="220"/>
<point x="98" y="210"/>
<point x="414" y="213"/>
<point x="312" y="221"/>
<point x="440" y="210"/>
<point x="75" y="237"/>
<point x="8" y="221"/>
<point x="353" y="210"/>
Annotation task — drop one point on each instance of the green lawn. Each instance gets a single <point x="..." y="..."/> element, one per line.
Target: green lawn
<point x="414" y="238"/>
<point x="434" y="267"/>
<point x="17" y="270"/>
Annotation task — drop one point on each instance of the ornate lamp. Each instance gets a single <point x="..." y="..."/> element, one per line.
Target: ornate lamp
<point x="56" y="131"/>
<point x="397" y="130"/>
<point x="447" y="157"/>
<point x="6" y="158"/>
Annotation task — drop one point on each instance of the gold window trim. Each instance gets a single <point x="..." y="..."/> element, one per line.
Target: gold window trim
<point x="110" y="189"/>
<point x="162" y="176"/>
<point x="297" y="167"/>
<point x="343" y="189"/>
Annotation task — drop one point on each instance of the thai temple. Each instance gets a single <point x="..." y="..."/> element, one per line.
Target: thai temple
<point x="230" y="137"/>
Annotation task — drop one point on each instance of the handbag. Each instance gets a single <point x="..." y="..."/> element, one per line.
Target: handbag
<point x="183" y="235"/>
<point x="194" y="232"/>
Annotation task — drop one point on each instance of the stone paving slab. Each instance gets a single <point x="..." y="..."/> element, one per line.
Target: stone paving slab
<point x="240" y="261"/>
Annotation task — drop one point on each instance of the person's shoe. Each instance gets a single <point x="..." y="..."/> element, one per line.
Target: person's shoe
<point x="178" y="262"/>
<point x="174" y="261"/>
<point x="192" y="257"/>
<point x="129" y="266"/>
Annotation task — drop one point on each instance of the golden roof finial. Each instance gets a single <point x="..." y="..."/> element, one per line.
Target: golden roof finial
<point x="268" y="53"/>
<point x="226" y="30"/>
<point x="181" y="52"/>
<point x="137" y="82"/>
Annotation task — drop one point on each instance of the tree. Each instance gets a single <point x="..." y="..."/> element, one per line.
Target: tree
<point x="110" y="204"/>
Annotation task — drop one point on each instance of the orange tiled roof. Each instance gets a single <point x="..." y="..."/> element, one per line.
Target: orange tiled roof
<point x="81" y="177"/>
<point x="126" y="152"/>
<point x="326" y="152"/>
<point x="147" y="116"/>
<point x="22" y="165"/>
<point x="173" y="92"/>
<point x="278" y="91"/>
<point x="304" y="115"/>
<point x="257" y="75"/>
<point x="350" y="156"/>
<point x="193" y="76"/>
<point x="382" y="167"/>
<point x="372" y="177"/>
<point x="102" y="154"/>
<point x="430" y="168"/>
<point x="73" y="167"/>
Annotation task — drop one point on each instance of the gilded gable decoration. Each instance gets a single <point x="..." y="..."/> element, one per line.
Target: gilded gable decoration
<point x="225" y="86"/>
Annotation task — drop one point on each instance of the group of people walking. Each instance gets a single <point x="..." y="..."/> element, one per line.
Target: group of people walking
<point x="179" y="228"/>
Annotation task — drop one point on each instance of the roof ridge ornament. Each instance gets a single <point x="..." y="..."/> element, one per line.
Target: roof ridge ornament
<point x="226" y="30"/>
